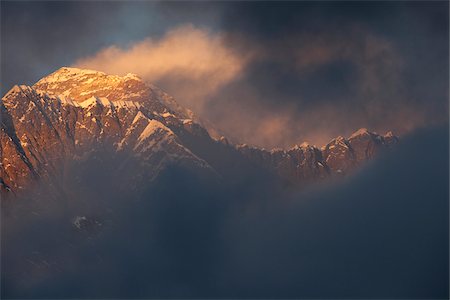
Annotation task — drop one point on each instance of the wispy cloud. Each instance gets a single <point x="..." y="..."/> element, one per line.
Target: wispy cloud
<point x="278" y="93"/>
<point x="192" y="61"/>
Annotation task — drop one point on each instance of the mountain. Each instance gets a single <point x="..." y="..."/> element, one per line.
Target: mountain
<point x="135" y="131"/>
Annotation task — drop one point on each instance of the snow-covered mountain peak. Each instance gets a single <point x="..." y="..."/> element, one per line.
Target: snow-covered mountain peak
<point x="70" y="73"/>
<point x="389" y="134"/>
<point x="305" y="145"/>
<point x="17" y="89"/>
<point x="359" y="132"/>
<point x="74" y="85"/>
<point x="81" y="84"/>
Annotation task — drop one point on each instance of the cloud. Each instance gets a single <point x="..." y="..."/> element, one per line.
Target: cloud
<point x="381" y="233"/>
<point x="293" y="63"/>
<point x="281" y="90"/>
<point x="314" y="87"/>
<point x="190" y="61"/>
<point x="208" y="73"/>
<point x="278" y="91"/>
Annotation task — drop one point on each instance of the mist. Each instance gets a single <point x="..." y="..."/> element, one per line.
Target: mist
<point x="381" y="233"/>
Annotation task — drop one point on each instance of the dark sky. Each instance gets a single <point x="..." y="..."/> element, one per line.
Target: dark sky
<point x="317" y="70"/>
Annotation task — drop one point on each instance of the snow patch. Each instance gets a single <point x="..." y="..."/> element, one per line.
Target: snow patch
<point x="151" y="128"/>
<point x="138" y="117"/>
<point x="167" y="114"/>
<point x="359" y="132"/>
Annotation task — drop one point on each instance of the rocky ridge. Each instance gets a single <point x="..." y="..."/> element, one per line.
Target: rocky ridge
<point x="73" y="114"/>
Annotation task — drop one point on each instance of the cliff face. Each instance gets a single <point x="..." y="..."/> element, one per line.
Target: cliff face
<point x="74" y="114"/>
<point x="305" y="162"/>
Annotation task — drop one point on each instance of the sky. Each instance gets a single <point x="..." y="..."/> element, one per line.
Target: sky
<point x="263" y="73"/>
<point x="267" y="74"/>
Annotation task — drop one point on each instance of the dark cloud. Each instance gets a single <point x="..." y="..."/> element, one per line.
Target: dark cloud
<point x="37" y="37"/>
<point x="378" y="65"/>
<point x="317" y="70"/>
<point x="382" y="233"/>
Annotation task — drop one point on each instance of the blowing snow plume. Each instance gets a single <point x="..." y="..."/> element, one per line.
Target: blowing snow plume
<point x="191" y="61"/>
<point x="270" y="92"/>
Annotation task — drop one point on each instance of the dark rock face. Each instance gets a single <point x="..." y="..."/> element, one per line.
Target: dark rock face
<point x="72" y="113"/>
<point x="299" y="165"/>
<point x="365" y="144"/>
<point x="308" y="163"/>
<point x="339" y="155"/>
<point x="42" y="132"/>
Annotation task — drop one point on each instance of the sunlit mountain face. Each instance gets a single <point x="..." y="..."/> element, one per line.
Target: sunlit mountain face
<point x="224" y="150"/>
